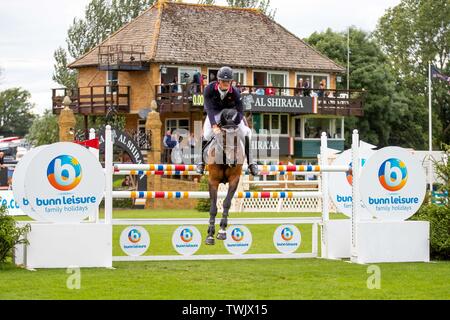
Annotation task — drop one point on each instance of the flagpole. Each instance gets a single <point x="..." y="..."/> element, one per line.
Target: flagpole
<point x="430" y="130"/>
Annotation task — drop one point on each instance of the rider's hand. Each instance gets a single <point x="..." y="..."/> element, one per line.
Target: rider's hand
<point x="216" y="129"/>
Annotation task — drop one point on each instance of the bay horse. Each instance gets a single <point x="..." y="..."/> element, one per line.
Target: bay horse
<point x="225" y="158"/>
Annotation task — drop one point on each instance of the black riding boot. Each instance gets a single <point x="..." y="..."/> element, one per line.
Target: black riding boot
<point x="252" y="166"/>
<point x="201" y="165"/>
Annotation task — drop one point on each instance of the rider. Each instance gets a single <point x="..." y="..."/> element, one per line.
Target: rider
<point x="218" y="96"/>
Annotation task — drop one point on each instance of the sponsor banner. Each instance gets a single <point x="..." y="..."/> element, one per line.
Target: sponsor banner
<point x="12" y="206"/>
<point x="239" y="240"/>
<point x="134" y="241"/>
<point x="286" y="104"/>
<point x="287" y="238"/>
<point x="186" y="240"/>
<point x="18" y="182"/>
<point x="393" y="184"/>
<point x="64" y="183"/>
<point x="340" y="183"/>
<point x="266" y="146"/>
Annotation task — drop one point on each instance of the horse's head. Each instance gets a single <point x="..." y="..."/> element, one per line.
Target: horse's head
<point x="228" y="118"/>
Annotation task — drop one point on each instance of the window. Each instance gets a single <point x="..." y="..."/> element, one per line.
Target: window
<point x="239" y="77"/>
<point x="112" y="80"/>
<point x="276" y="122"/>
<point x="212" y="75"/>
<point x="313" y="79"/>
<point x="271" y="79"/>
<point x="174" y="124"/>
<point x="187" y="75"/>
<point x="315" y="126"/>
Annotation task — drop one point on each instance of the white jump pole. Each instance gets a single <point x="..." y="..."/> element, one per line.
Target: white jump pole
<point x="96" y="154"/>
<point x="108" y="174"/>
<point x="325" y="197"/>
<point x="356" y="163"/>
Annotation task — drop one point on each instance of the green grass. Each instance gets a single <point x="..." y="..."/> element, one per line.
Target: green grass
<point x="231" y="279"/>
<point x="252" y="279"/>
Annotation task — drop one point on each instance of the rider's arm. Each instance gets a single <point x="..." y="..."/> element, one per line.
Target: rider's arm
<point x="239" y="108"/>
<point x="209" y="105"/>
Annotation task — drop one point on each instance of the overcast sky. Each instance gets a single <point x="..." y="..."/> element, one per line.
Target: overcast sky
<point x="31" y="30"/>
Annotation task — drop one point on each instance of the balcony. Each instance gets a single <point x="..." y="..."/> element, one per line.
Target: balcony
<point x="182" y="98"/>
<point x="94" y="100"/>
<point x="177" y="98"/>
<point x="122" y="58"/>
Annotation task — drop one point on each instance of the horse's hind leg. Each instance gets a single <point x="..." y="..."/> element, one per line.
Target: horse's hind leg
<point x="213" y="189"/>
<point x="232" y="187"/>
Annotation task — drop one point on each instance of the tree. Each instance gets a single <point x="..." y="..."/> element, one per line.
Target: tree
<point x="412" y="34"/>
<point x="15" y="112"/>
<point x="384" y="108"/>
<point x="44" y="130"/>
<point x="101" y="18"/>
<point x="63" y="75"/>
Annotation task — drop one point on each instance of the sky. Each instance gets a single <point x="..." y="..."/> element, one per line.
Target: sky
<point x="31" y="30"/>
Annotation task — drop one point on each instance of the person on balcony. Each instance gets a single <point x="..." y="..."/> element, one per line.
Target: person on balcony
<point x="307" y="88"/>
<point x="322" y="85"/>
<point x="219" y="96"/>
<point x="270" y="91"/>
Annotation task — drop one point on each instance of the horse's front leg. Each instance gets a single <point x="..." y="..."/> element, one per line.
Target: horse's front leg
<point x="232" y="187"/>
<point x="213" y="189"/>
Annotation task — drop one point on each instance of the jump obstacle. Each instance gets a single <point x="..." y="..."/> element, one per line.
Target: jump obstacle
<point x="179" y="170"/>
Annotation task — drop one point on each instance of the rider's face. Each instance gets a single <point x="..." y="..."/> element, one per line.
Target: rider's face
<point x="224" y="85"/>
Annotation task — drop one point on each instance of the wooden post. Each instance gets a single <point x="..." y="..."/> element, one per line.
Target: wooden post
<point x="66" y="122"/>
<point x="153" y="126"/>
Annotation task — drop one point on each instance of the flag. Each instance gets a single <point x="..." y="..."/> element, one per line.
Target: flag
<point x="93" y="143"/>
<point x="435" y="73"/>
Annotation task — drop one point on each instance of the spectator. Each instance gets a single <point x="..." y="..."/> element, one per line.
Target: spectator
<point x="169" y="144"/>
<point x="196" y="83"/>
<point x="174" y="85"/>
<point x="299" y="87"/>
<point x="2" y="159"/>
<point x="126" y="182"/>
<point x="307" y="88"/>
<point x="270" y="91"/>
<point x="321" y="89"/>
<point x="260" y="91"/>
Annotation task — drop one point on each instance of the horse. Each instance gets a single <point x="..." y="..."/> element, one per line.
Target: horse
<point x="225" y="158"/>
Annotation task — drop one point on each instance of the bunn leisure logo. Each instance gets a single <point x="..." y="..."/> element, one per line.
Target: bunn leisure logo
<point x="393" y="174"/>
<point x="134" y="236"/>
<point x="237" y="234"/>
<point x="349" y="173"/>
<point x="287" y="234"/>
<point x="186" y="235"/>
<point x="64" y="173"/>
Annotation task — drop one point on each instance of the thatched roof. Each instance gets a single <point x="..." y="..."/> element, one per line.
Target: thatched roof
<point x="192" y="34"/>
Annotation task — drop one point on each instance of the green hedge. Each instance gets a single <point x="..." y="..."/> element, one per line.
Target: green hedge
<point x="10" y="234"/>
<point x="439" y="218"/>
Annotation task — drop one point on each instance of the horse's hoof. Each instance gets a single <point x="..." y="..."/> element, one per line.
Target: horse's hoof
<point x="222" y="235"/>
<point x="210" y="241"/>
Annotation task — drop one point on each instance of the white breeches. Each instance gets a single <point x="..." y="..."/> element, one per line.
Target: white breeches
<point x="243" y="130"/>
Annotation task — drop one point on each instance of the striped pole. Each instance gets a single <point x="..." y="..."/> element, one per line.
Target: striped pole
<point x="264" y="168"/>
<point x="194" y="173"/>
<point x="205" y="195"/>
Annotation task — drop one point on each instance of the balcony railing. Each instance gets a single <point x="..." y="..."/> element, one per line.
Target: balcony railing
<point x="176" y="98"/>
<point x="181" y="98"/>
<point x="122" y="58"/>
<point x="94" y="100"/>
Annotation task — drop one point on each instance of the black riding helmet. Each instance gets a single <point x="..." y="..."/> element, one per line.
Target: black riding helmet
<point x="225" y="74"/>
